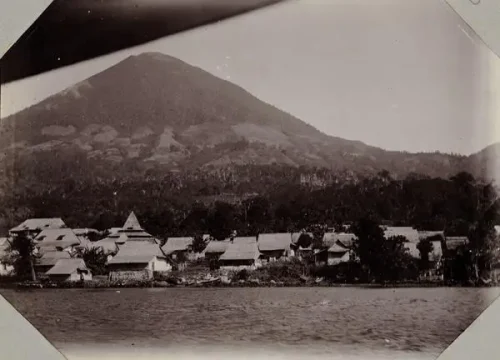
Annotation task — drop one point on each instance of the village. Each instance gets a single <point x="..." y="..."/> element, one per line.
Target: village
<point x="132" y="254"/>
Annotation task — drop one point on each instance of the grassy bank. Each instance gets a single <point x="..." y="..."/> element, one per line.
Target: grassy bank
<point x="277" y="274"/>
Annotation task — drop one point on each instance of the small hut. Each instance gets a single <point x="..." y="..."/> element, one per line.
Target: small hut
<point x="69" y="270"/>
<point x="275" y="246"/>
<point x="241" y="253"/>
<point x="48" y="259"/>
<point x="138" y="261"/>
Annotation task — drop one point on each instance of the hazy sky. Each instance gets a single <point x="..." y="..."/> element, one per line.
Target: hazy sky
<point x="399" y="74"/>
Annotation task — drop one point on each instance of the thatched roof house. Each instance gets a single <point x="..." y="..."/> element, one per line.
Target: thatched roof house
<point x="242" y="252"/>
<point x="48" y="259"/>
<point x="69" y="270"/>
<point x="31" y="227"/>
<point x="215" y="249"/>
<point x="275" y="245"/>
<point x="138" y="260"/>
<point x="57" y="239"/>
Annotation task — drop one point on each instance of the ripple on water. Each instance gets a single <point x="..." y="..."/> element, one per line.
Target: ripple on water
<point x="327" y="321"/>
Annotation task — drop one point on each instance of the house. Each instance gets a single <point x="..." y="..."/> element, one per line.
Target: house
<point x="340" y="250"/>
<point x="69" y="270"/>
<point x="48" y="259"/>
<point x="179" y="247"/>
<point x="32" y="227"/>
<point x="139" y="261"/>
<point x="5" y="268"/>
<point x="57" y="240"/>
<point x="241" y="253"/>
<point x="408" y="232"/>
<point x="215" y="249"/>
<point x="275" y="246"/>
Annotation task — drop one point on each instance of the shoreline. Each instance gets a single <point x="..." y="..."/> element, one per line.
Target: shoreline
<point x="247" y="284"/>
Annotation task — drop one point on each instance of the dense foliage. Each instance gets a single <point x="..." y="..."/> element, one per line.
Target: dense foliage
<point x="249" y="202"/>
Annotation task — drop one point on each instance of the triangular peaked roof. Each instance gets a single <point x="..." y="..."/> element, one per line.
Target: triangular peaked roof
<point x="132" y="223"/>
<point x="67" y="267"/>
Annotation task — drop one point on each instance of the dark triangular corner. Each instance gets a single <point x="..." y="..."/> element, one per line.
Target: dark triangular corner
<point x="71" y="31"/>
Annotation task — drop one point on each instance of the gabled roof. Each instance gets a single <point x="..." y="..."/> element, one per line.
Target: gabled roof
<point x="39" y="224"/>
<point x="132" y="223"/>
<point x="67" y="267"/>
<point x="55" y="238"/>
<point x="174" y="244"/>
<point x="51" y="257"/>
<point x="342" y="239"/>
<point x="276" y="241"/>
<point x="241" y="251"/>
<point x="138" y="250"/>
<point x="338" y="248"/>
<point x="408" y="232"/>
<point x="216" y="247"/>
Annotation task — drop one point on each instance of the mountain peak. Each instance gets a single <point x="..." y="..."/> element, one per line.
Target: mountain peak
<point x="153" y="109"/>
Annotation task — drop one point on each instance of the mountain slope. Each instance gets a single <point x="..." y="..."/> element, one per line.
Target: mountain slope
<point x="153" y="110"/>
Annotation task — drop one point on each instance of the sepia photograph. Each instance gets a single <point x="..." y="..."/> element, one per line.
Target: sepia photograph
<point x="209" y="179"/>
